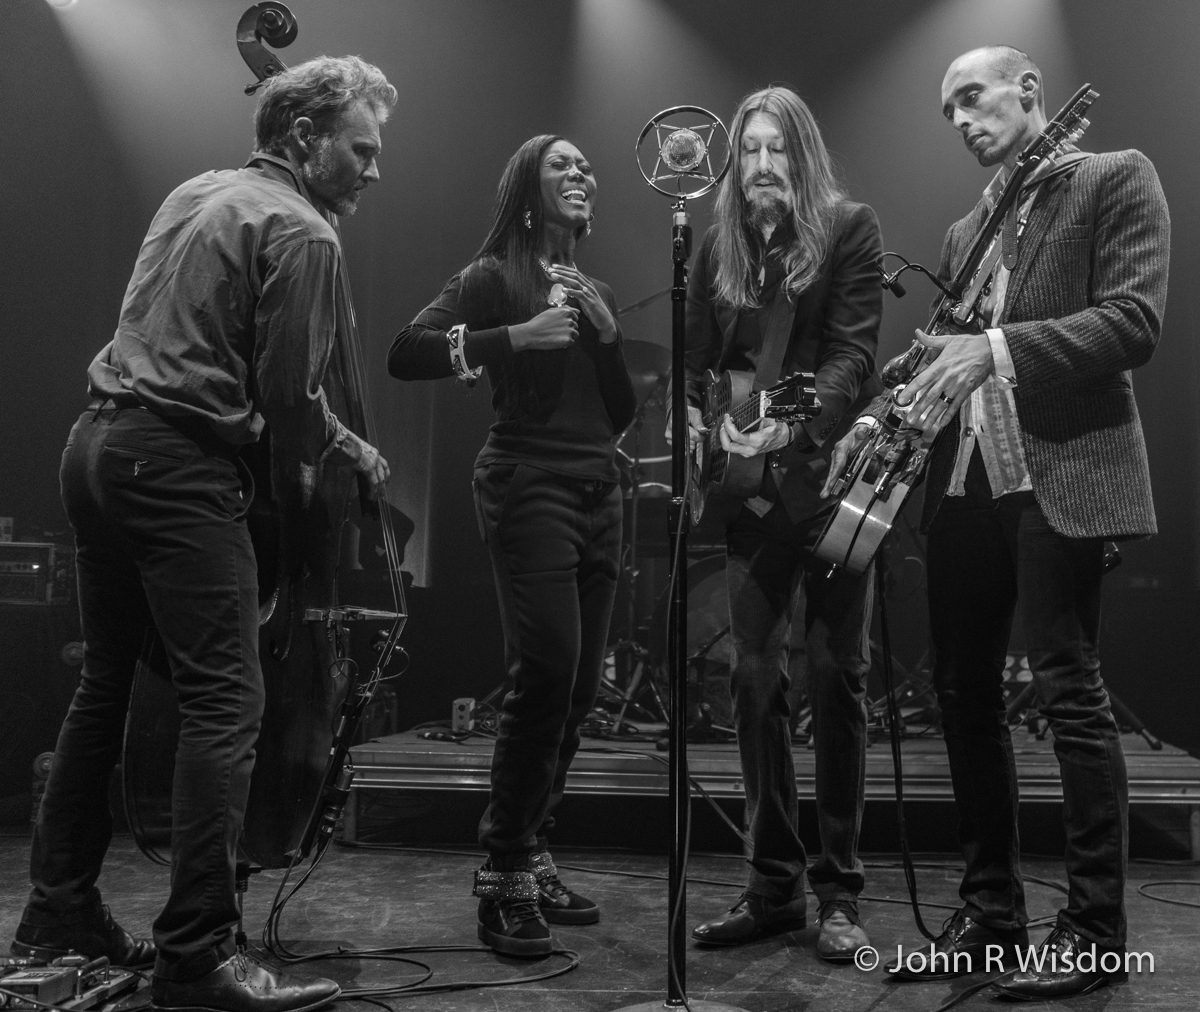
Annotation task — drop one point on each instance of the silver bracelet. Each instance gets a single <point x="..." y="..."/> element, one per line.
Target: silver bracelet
<point x="456" y="338"/>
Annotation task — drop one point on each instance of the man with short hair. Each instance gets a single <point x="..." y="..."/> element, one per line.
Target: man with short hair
<point x="1041" y="459"/>
<point x="784" y="282"/>
<point x="228" y="321"/>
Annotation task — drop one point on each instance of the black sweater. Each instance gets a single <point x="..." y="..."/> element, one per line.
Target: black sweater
<point x="556" y="410"/>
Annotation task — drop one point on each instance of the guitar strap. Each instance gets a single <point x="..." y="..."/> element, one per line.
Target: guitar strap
<point x="775" y="341"/>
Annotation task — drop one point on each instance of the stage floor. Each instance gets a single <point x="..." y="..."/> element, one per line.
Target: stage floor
<point x="364" y="897"/>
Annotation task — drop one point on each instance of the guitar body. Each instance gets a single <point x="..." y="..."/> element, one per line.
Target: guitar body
<point x="728" y="473"/>
<point x="872" y="492"/>
<point x="715" y="471"/>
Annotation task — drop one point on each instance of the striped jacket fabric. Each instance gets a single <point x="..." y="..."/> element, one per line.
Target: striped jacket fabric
<point x="1084" y="308"/>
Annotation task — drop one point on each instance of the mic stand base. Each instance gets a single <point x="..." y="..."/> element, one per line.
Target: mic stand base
<point x="693" y="1004"/>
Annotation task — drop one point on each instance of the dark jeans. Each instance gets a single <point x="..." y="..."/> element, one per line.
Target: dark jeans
<point x="772" y="576"/>
<point x="160" y="541"/>
<point x="986" y="557"/>
<point x="555" y="545"/>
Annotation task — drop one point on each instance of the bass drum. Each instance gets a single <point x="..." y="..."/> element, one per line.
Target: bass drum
<point x="708" y="626"/>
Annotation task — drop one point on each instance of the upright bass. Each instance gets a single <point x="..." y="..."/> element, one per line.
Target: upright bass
<point x="878" y="481"/>
<point x="315" y="692"/>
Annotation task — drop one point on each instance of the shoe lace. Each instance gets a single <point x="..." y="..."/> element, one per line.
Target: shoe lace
<point x="241" y="965"/>
<point x="953" y="924"/>
<point x="520" y="911"/>
<point x="848" y="907"/>
<point x="552" y="885"/>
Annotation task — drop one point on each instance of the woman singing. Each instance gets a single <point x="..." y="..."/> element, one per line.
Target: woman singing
<point x="548" y="505"/>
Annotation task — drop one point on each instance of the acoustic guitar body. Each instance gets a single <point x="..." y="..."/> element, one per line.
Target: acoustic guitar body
<point x="728" y="473"/>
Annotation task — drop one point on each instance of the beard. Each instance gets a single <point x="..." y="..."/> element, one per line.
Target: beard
<point x="766" y="212"/>
<point x="320" y="175"/>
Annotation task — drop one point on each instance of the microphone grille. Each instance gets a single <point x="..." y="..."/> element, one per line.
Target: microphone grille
<point x="683" y="150"/>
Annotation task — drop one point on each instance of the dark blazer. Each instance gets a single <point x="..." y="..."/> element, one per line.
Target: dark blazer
<point x="1084" y="306"/>
<point x="835" y="333"/>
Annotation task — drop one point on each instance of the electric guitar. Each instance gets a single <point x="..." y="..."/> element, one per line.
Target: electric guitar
<point x="714" y="470"/>
<point x="891" y="463"/>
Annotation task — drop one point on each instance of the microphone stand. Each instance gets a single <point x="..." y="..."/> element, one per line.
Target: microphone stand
<point x="679" y="525"/>
<point x="682" y="152"/>
<point x="680" y="521"/>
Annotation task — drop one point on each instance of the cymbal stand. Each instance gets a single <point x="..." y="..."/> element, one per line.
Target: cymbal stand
<point x="636" y="655"/>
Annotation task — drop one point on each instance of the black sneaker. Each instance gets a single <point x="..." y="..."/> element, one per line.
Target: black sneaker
<point x="558" y="904"/>
<point x="509" y="918"/>
<point x="91" y="932"/>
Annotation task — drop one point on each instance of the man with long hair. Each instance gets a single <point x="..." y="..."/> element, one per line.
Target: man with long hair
<point x="1041" y="458"/>
<point x="228" y="321"/>
<point x="787" y="268"/>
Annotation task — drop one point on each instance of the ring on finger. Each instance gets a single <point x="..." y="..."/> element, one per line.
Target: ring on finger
<point x="943" y="397"/>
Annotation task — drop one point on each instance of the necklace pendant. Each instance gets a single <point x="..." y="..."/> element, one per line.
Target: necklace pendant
<point x="557" y="296"/>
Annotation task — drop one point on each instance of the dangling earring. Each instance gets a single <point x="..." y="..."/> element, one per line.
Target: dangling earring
<point x="528" y="219"/>
<point x="591" y="218"/>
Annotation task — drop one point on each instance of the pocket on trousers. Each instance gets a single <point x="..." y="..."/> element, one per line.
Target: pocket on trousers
<point x="143" y="454"/>
<point x="160" y="472"/>
<point x="491" y="485"/>
<point x="478" y="510"/>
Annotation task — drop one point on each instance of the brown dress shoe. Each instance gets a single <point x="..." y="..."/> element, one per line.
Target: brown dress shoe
<point x="841" y="935"/>
<point x="961" y="948"/>
<point x="752" y="917"/>
<point x="242" y="984"/>
<point x="1057" y="971"/>
<point x="92" y="933"/>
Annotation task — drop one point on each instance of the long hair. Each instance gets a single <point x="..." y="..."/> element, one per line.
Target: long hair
<point x="816" y="195"/>
<point x="511" y="246"/>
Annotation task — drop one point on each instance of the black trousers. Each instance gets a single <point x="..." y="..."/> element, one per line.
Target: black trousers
<point x="160" y="541"/>
<point x="988" y="557"/>
<point x="555" y="546"/>
<point x="772" y="576"/>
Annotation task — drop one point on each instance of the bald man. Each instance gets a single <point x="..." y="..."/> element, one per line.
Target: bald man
<point x="1041" y="458"/>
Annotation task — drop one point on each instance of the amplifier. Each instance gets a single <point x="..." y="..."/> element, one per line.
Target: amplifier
<point x="35" y="572"/>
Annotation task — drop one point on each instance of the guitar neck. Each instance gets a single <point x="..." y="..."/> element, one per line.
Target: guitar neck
<point x="746" y="412"/>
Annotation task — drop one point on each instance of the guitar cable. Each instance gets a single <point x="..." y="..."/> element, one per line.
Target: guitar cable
<point x="893" y="707"/>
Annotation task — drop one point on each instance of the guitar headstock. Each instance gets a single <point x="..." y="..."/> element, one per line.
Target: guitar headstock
<point x="1067" y="126"/>
<point x="791" y="399"/>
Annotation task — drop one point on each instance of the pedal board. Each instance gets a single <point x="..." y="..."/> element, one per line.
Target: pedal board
<point x="82" y="985"/>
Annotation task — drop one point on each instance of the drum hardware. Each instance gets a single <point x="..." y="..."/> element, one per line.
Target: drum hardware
<point x="649" y="366"/>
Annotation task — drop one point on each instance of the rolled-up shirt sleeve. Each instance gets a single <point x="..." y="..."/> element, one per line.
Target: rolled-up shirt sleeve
<point x="295" y="326"/>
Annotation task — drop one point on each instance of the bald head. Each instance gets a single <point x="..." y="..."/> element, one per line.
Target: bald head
<point x="993" y="97"/>
<point x="1006" y="62"/>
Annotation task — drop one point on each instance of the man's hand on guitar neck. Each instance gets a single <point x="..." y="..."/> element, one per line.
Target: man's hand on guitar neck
<point x="845" y="450"/>
<point x="771" y="435"/>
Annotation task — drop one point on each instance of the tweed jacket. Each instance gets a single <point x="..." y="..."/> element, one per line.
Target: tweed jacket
<point x="1084" y="307"/>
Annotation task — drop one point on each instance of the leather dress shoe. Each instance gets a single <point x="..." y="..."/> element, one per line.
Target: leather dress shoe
<point x="751" y="918"/>
<point x="961" y="935"/>
<point x="92" y="933"/>
<point x="841" y="935"/>
<point x="1055" y="972"/>
<point x="242" y="984"/>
